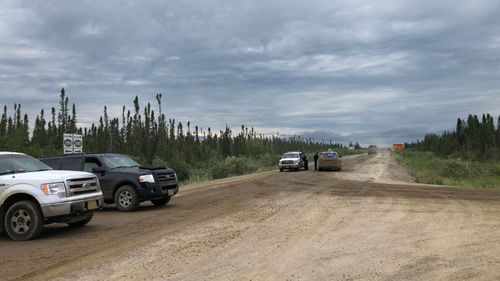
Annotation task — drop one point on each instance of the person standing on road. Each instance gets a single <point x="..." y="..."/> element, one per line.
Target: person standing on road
<point x="316" y="157"/>
<point x="306" y="162"/>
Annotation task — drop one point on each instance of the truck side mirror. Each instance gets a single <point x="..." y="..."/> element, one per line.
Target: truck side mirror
<point x="98" y="170"/>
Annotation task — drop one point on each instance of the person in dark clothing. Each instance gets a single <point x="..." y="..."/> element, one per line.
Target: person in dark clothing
<point x="306" y="162"/>
<point x="316" y="157"/>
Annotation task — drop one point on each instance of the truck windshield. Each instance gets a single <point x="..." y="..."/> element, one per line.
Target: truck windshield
<point x="20" y="163"/>
<point x="290" y="155"/>
<point x="114" y="161"/>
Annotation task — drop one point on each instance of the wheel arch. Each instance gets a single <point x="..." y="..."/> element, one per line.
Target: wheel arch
<point x="9" y="201"/>
<point x="120" y="184"/>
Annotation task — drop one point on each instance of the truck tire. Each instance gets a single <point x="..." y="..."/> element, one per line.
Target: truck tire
<point x="126" y="199"/>
<point x="161" y="201"/>
<point x="86" y="219"/>
<point x="24" y="221"/>
<point x="281" y="170"/>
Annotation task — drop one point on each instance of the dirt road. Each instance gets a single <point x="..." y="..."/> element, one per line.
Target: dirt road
<point x="363" y="223"/>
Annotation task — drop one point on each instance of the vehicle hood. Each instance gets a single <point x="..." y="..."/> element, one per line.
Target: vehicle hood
<point x="289" y="159"/>
<point x="50" y="176"/>
<point x="143" y="170"/>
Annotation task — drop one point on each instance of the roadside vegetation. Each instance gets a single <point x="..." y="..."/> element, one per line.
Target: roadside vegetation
<point x="428" y="168"/>
<point x="467" y="156"/>
<point x="149" y="137"/>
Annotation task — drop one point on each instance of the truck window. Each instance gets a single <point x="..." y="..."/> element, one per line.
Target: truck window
<point x="91" y="163"/>
<point x="5" y="165"/>
<point x="55" y="163"/>
<point x="73" y="164"/>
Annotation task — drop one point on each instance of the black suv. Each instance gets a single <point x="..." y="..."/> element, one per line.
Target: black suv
<point x="123" y="181"/>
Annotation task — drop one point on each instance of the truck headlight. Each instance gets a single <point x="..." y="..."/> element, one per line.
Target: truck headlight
<point x="147" y="178"/>
<point x="55" y="188"/>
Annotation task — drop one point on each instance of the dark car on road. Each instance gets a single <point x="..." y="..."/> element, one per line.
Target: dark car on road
<point x="123" y="181"/>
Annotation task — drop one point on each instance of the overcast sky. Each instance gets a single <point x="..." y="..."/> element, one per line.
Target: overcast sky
<point x="369" y="71"/>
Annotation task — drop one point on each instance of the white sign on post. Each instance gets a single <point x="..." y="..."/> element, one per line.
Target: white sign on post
<point x="77" y="144"/>
<point x="68" y="143"/>
<point x="72" y="143"/>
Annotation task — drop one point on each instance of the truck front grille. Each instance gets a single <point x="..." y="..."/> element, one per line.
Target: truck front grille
<point x="82" y="186"/>
<point x="168" y="180"/>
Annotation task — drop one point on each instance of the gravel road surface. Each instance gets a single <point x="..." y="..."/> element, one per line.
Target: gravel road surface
<point x="368" y="222"/>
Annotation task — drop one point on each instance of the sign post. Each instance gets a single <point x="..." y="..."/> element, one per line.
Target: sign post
<point x="72" y="143"/>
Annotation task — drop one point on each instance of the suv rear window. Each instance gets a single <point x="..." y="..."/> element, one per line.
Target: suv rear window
<point x="329" y="154"/>
<point x="53" y="162"/>
<point x="73" y="164"/>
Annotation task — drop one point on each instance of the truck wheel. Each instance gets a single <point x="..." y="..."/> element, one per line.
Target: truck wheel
<point x="281" y="170"/>
<point x="24" y="221"/>
<point x="126" y="198"/>
<point x="86" y="219"/>
<point x="161" y="201"/>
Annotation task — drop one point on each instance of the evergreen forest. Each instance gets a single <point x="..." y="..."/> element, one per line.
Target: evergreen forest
<point x="152" y="138"/>
<point x="474" y="138"/>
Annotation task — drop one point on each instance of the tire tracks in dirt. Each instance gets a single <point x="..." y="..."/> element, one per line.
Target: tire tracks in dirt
<point x="363" y="223"/>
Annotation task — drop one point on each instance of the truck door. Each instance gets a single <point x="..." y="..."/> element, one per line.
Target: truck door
<point x="4" y="183"/>
<point x="104" y="179"/>
<point x="5" y="178"/>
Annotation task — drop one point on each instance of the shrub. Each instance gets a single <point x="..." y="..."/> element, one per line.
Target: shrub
<point x="459" y="169"/>
<point x="218" y="170"/>
<point x="234" y="166"/>
<point x="200" y="174"/>
<point x="159" y="162"/>
<point x="493" y="170"/>
<point x="181" y="168"/>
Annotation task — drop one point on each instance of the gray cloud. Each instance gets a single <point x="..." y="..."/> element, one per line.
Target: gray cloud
<point x="372" y="71"/>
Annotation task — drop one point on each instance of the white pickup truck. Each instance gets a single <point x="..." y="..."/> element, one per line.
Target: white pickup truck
<point x="32" y="195"/>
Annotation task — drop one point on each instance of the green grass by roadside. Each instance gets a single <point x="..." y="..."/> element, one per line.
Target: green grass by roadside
<point x="428" y="168"/>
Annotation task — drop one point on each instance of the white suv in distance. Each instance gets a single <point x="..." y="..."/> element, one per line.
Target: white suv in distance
<point x="291" y="161"/>
<point x="32" y="195"/>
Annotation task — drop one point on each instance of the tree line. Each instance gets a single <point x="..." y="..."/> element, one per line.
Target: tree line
<point x="472" y="139"/>
<point x="144" y="133"/>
